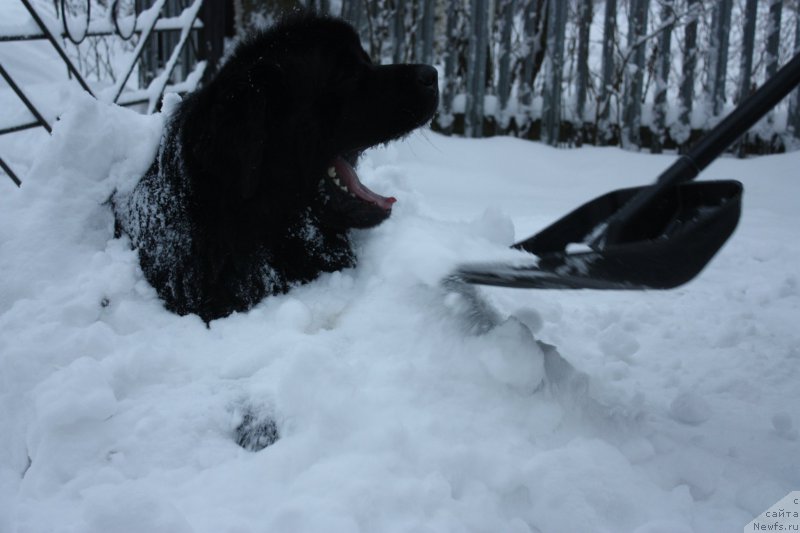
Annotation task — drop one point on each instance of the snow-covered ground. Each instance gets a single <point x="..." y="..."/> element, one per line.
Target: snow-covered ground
<point x="116" y="415"/>
<point x="680" y="412"/>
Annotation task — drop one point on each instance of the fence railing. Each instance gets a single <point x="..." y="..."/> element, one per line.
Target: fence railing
<point x="176" y="67"/>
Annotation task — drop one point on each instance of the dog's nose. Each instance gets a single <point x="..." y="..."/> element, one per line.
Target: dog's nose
<point x="426" y="76"/>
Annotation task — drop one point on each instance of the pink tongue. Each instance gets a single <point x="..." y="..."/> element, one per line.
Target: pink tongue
<point x="347" y="175"/>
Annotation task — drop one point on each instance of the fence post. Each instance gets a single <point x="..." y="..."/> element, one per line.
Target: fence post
<point x="662" y="76"/>
<point x="399" y="31"/>
<point x="682" y="131"/>
<point x="534" y="30"/>
<point x="551" y="94"/>
<point x="748" y="45"/>
<point x="794" y="101"/>
<point x="718" y="55"/>
<point x="773" y="37"/>
<point x="476" y="70"/>
<point x="507" y="8"/>
<point x="429" y="16"/>
<point x="604" y="134"/>
<point x="746" y="64"/>
<point x="450" y="84"/>
<point x="773" y="48"/>
<point x="634" y="75"/>
<point x="585" y="15"/>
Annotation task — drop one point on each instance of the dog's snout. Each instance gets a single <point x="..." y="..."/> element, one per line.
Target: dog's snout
<point x="426" y="76"/>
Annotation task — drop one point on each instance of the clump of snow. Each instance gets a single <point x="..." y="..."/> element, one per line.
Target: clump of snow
<point x="690" y="408"/>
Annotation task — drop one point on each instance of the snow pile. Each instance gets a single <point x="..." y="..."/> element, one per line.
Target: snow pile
<point x="676" y="411"/>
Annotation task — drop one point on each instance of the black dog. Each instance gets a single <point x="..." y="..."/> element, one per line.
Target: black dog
<point x="253" y="190"/>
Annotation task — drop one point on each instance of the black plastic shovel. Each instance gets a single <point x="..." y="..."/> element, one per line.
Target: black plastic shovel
<point x="655" y="237"/>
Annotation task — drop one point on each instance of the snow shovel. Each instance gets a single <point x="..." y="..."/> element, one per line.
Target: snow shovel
<point x="654" y="237"/>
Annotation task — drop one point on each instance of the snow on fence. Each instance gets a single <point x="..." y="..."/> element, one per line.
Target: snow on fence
<point x="639" y="73"/>
<point x="156" y="37"/>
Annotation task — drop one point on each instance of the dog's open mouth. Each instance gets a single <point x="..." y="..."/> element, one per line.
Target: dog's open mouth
<point x="342" y="174"/>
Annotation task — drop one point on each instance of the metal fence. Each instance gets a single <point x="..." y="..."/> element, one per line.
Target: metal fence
<point x="166" y="40"/>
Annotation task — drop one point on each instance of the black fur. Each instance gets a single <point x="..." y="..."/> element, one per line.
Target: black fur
<point x="237" y="206"/>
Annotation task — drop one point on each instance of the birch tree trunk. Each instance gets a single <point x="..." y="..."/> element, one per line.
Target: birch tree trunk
<point x="748" y="46"/>
<point x="507" y="8"/>
<point x="476" y="69"/>
<point x="450" y="84"/>
<point x="773" y="37"/>
<point x="551" y="95"/>
<point x="634" y="75"/>
<point x="585" y="15"/>
<point x="662" y="76"/>
<point x="682" y="131"/>
<point x="604" y="133"/>
<point x="399" y="30"/>
<point x="746" y="63"/>
<point x="534" y="33"/>
<point x="773" y="48"/>
<point x="718" y="54"/>
<point x="427" y="22"/>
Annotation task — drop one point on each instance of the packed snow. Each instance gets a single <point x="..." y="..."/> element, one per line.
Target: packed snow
<point x="669" y="412"/>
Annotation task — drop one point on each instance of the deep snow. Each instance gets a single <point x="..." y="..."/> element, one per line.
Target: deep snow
<point x="116" y="415"/>
<point x="119" y="416"/>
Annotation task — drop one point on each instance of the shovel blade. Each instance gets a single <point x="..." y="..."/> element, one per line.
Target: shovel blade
<point x="664" y="247"/>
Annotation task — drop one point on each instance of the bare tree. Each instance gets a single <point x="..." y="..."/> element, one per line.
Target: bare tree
<point x="534" y="29"/>
<point x="551" y="94"/>
<point x="662" y="76"/>
<point x="476" y="69"/>
<point x="681" y="132"/>
<point x="455" y="36"/>
<point x="604" y="133"/>
<point x="399" y="30"/>
<point x="427" y="23"/>
<point x="773" y="37"/>
<point x="746" y="63"/>
<point x="506" y="23"/>
<point x="718" y="54"/>
<point x="634" y="74"/>
<point x="773" y="47"/>
<point x="585" y="15"/>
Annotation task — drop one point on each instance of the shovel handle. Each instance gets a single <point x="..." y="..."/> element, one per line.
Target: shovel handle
<point x="709" y="147"/>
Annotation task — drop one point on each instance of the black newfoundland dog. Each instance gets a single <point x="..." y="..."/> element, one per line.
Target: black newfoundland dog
<point x="254" y="189"/>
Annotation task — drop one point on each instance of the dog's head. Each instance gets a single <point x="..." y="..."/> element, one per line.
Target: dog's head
<point x="297" y="105"/>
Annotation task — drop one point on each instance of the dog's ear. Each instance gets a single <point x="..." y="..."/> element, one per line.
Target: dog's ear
<point x="231" y="140"/>
<point x="252" y="133"/>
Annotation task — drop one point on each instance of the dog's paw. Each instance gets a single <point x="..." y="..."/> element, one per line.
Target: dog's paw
<point x="255" y="430"/>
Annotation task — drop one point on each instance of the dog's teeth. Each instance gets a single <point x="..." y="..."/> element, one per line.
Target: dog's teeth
<point x="337" y="182"/>
<point x="332" y="172"/>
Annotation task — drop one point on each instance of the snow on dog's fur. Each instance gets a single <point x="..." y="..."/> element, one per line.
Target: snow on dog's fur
<point x="253" y="189"/>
